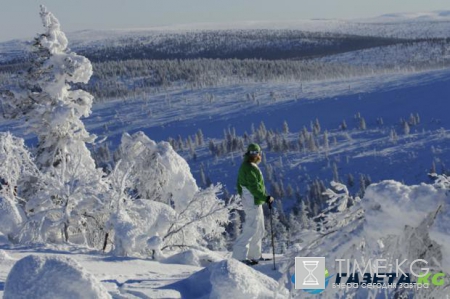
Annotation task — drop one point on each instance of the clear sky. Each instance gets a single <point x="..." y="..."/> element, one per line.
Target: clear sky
<point x="20" y="18"/>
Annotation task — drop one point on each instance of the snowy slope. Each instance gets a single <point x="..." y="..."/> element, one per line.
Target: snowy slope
<point x="390" y="97"/>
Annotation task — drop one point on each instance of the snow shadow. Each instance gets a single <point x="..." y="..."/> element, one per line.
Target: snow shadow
<point x="120" y="259"/>
<point x="2" y="286"/>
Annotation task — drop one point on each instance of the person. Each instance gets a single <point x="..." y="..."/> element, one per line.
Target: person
<point x="251" y="188"/>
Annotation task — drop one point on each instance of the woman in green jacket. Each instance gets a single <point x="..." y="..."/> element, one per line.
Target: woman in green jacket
<point x="251" y="188"/>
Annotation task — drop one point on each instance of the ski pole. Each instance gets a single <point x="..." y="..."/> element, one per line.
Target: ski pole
<point x="271" y="230"/>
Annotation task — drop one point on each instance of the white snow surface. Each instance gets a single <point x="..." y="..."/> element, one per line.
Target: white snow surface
<point x="231" y="279"/>
<point x="142" y="278"/>
<point x="52" y="277"/>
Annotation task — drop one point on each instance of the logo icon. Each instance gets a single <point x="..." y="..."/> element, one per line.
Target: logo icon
<point x="310" y="273"/>
<point x="318" y="291"/>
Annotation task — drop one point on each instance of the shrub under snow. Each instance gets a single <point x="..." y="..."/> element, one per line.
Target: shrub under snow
<point x="15" y="167"/>
<point x="51" y="277"/>
<point x="150" y="192"/>
<point x="175" y="209"/>
<point x="157" y="172"/>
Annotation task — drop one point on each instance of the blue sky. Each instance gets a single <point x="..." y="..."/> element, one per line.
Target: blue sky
<point x="20" y="19"/>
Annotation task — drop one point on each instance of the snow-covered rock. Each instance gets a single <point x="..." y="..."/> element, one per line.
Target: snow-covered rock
<point x="230" y="279"/>
<point x="51" y="277"/>
<point x="193" y="257"/>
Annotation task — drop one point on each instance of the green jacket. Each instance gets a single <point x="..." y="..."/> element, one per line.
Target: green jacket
<point x="251" y="178"/>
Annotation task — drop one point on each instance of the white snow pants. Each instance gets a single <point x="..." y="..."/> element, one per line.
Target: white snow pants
<point x="248" y="244"/>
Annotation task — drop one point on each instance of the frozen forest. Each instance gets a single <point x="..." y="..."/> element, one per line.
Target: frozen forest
<point x="118" y="164"/>
<point x="58" y="194"/>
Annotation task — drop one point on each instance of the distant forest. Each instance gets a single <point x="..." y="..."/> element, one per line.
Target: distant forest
<point x="234" y="44"/>
<point x="135" y="66"/>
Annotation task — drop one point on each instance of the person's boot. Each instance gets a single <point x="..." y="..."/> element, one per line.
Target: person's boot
<point x="249" y="262"/>
<point x="261" y="259"/>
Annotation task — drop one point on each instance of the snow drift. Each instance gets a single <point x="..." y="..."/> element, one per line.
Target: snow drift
<point x="51" y="277"/>
<point x="230" y="279"/>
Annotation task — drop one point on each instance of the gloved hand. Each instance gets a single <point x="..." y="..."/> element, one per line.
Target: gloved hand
<point x="269" y="201"/>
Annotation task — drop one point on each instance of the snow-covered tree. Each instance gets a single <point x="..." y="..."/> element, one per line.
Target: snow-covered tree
<point x="285" y="127"/>
<point x="350" y="180"/>
<point x="69" y="199"/>
<point x="46" y="100"/>
<point x="326" y="143"/>
<point x="393" y="136"/>
<point x="304" y="219"/>
<point x="17" y="170"/>
<point x="199" y="137"/>
<point x="406" y="128"/>
<point x="362" y="124"/>
<point x="69" y="194"/>
<point x="316" y="127"/>
<point x="343" y="125"/>
<point x="335" y="172"/>
<point x="156" y="194"/>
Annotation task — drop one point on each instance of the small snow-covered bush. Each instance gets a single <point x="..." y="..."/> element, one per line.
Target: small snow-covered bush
<point x="135" y="222"/>
<point x="16" y="168"/>
<point x="51" y="277"/>
<point x="16" y="164"/>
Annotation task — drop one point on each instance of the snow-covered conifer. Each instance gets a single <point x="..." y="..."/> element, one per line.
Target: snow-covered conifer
<point x="285" y="127"/>
<point x="362" y="124"/>
<point x="51" y="108"/>
<point x="326" y="143"/>
<point x="17" y="171"/>
<point x="71" y="188"/>
<point x="406" y="128"/>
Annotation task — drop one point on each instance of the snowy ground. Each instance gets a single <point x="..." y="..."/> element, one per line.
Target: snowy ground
<point x="123" y="277"/>
<point x="183" y="112"/>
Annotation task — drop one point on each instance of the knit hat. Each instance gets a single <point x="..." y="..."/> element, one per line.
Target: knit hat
<point x="253" y="149"/>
